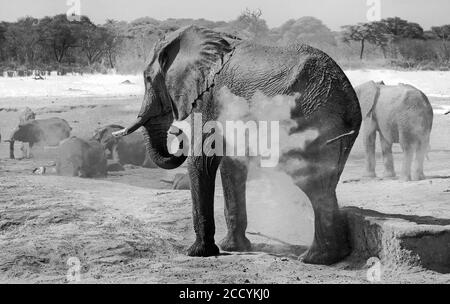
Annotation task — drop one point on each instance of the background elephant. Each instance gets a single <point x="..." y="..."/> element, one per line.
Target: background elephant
<point x="125" y="150"/>
<point x="78" y="157"/>
<point x="47" y="132"/>
<point x="400" y="114"/>
<point x="186" y="73"/>
<point x="26" y="115"/>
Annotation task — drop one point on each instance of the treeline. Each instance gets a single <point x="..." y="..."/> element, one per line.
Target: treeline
<point x="55" y="43"/>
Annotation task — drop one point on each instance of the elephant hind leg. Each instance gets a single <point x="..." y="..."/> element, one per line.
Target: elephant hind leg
<point x="408" y="147"/>
<point x="370" y="136"/>
<point x="318" y="178"/>
<point x="388" y="159"/>
<point x="234" y="177"/>
<point x="417" y="169"/>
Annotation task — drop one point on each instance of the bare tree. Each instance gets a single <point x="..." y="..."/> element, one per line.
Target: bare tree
<point x="372" y="32"/>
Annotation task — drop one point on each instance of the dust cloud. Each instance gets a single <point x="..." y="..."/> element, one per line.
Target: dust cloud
<point x="277" y="208"/>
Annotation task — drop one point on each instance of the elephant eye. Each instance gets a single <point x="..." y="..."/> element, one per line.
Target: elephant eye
<point x="148" y="78"/>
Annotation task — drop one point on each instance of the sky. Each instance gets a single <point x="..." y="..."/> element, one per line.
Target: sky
<point x="334" y="13"/>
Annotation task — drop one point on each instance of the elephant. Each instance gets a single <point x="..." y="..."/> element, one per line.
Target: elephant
<point x="48" y="132"/>
<point x="82" y="158"/>
<point x="186" y="74"/>
<point x="400" y="114"/>
<point x="127" y="150"/>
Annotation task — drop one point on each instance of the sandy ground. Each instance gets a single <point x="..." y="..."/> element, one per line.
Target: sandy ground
<point x="129" y="227"/>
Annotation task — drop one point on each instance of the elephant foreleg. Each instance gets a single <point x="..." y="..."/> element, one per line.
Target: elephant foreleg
<point x="202" y="172"/>
<point x="370" y="137"/>
<point x="388" y="159"/>
<point x="234" y="176"/>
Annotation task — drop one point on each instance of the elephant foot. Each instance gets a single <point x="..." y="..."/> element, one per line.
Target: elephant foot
<point x="405" y="178"/>
<point x="369" y="175"/>
<point x="325" y="256"/>
<point x="388" y="174"/>
<point x="235" y="243"/>
<point x="418" y="177"/>
<point x="201" y="249"/>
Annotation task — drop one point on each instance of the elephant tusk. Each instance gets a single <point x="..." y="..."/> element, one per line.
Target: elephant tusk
<point x="339" y="137"/>
<point x="120" y="133"/>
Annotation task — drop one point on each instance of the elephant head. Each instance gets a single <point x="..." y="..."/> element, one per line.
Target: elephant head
<point x="104" y="136"/>
<point x="368" y="94"/>
<point x="181" y="70"/>
<point x="26" y="115"/>
<point x="27" y="132"/>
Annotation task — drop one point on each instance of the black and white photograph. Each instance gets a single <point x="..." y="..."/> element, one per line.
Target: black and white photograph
<point x="242" y="142"/>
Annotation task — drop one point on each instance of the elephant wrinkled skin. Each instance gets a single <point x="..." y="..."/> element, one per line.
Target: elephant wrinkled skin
<point x="185" y="74"/>
<point x="400" y="114"/>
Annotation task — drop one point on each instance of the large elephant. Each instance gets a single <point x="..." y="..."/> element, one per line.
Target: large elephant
<point x="49" y="132"/>
<point x="125" y="150"/>
<point x="186" y="73"/>
<point x="82" y="158"/>
<point x="400" y="114"/>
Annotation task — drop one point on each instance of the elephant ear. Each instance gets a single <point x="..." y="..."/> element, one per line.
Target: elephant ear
<point x="368" y="94"/>
<point x="190" y="59"/>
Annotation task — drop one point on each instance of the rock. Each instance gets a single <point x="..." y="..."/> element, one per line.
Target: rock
<point x="400" y="239"/>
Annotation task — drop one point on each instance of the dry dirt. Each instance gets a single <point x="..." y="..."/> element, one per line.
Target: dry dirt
<point x="130" y="228"/>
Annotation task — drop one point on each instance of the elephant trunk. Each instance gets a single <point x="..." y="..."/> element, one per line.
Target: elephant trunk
<point x="156" y="141"/>
<point x="156" y="116"/>
<point x="155" y="135"/>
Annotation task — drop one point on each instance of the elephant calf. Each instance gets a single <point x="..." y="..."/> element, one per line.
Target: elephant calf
<point x="49" y="132"/>
<point x="125" y="150"/>
<point x="400" y="114"/>
<point x="78" y="157"/>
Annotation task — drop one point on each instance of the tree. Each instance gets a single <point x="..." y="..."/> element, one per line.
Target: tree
<point x="250" y="25"/>
<point x="372" y="32"/>
<point x="60" y="35"/>
<point x="91" y="40"/>
<point x="3" y="41"/>
<point x="306" y="30"/>
<point x="113" y="40"/>
<point x="23" y="37"/>
<point x="400" y="28"/>
<point x="441" y="32"/>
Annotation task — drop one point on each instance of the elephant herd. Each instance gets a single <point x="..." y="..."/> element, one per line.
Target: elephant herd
<point x="185" y="75"/>
<point x="92" y="157"/>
